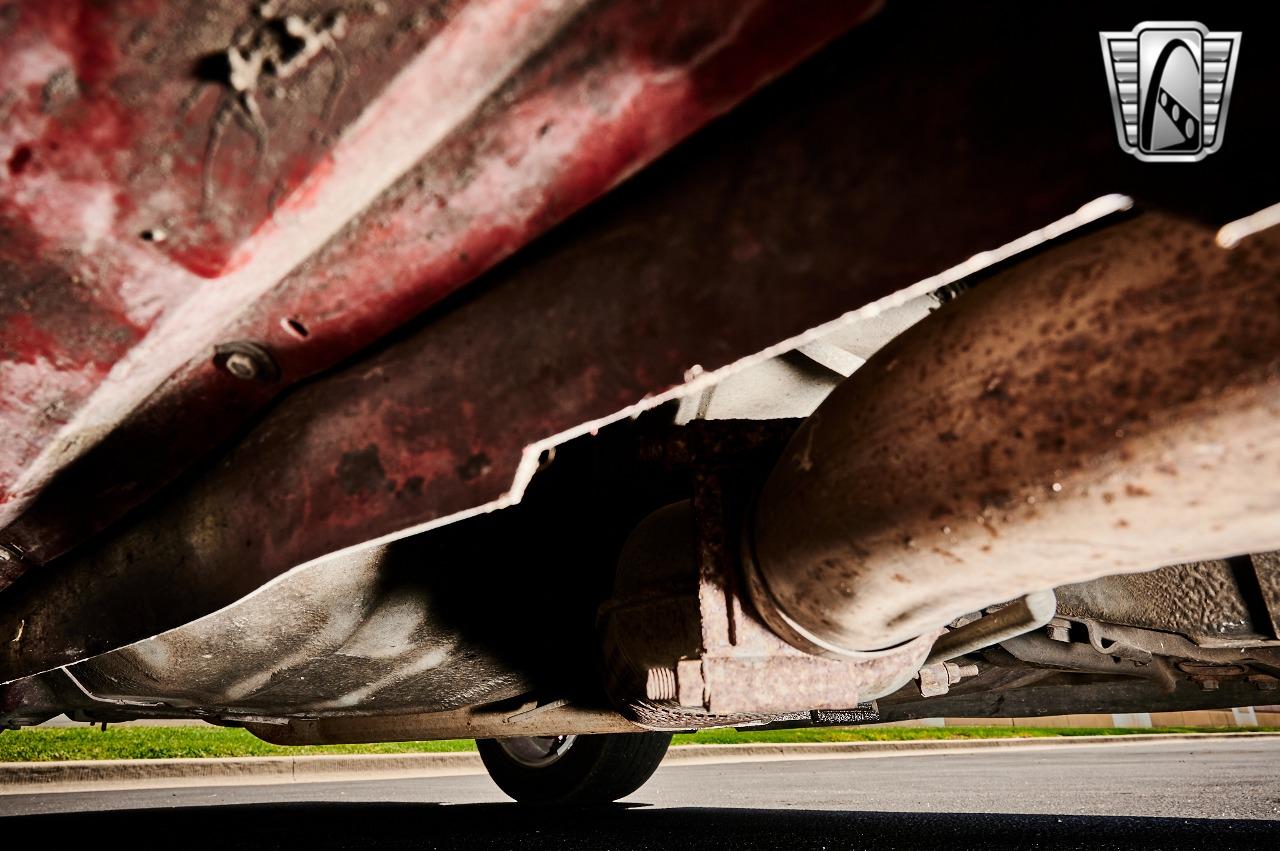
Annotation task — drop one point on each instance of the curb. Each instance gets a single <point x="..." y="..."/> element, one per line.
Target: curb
<point x="101" y="775"/>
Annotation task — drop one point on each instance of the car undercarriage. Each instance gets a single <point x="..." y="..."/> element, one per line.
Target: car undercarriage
<point x="565" y="375"/>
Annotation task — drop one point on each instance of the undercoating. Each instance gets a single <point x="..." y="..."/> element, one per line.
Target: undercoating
<point x="493" y="614"/>
<point x="356" y="631"/>
<point x="436" y="636"/>
<point x="1207" y="601"/>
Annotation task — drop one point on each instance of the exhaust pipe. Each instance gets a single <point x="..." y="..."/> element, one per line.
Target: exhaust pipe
<point x="1109" y="406"/>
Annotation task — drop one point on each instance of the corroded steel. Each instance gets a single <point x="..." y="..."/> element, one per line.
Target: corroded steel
<point x="848" y="179"/>
<point x="683" y="645"/>
<point x="1220" y="603"/>
<point x="1109" y="406"/>
<point x="512" y="718"/>
<point x="1082" y="696"/>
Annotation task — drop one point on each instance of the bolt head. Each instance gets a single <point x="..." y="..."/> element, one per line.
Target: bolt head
<point x="242" y="366"/>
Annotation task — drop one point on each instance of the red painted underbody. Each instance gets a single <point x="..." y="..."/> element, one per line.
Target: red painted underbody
<point x="152" y="210"/>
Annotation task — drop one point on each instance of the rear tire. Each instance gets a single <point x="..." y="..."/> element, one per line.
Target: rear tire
<point x="573" y="769"/>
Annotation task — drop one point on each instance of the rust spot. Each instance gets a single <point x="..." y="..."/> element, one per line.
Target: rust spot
<point x="995" y="498"/>
<point x="987" y="449"/>
<point x="475" y="467"/>
<point x="994" y="390"/>
<point x="361" y="471"/>
<point x="898" y="577"/>
<point x="947" y="554"/>
<point x="1122" y="523"/>
<point x="20" y="158"/>
<point x="1135" y="490"/>
<point x="413" y="486"/>
<point x="1108" y="497"/>
<point x="1050" y="441"/>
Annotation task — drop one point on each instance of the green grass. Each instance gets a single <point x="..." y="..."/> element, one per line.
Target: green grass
<point x="54" y="743"/>
<point x="59" y="743"/>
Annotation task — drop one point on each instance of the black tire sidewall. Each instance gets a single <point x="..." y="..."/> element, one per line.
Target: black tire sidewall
<point x="595" y="769"/>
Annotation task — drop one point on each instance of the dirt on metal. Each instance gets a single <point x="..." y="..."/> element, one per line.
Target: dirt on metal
<point x="1106" y="407"/>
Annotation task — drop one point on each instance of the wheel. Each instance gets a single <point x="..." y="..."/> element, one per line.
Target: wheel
<point x="573" y="769"/>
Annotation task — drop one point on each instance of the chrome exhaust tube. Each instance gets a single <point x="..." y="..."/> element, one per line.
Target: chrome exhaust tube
<point x="1110" y="405"/>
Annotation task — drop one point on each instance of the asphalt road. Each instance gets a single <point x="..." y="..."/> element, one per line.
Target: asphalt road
<point x="1223" y="794"/>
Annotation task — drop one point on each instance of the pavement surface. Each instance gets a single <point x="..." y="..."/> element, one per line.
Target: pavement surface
<point x="1220" y="794"/>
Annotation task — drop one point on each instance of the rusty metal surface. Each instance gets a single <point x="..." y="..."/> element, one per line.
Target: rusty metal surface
<point x="1069" y="698"/>
<point x="1214" y="603"/>
<point x="781" y="216"/>
<point x="683" y="645"/>
<point x="364" y="160"/>
<point x="1127" y="642"/>
<point x="509" y="718"/>
<point x="1074" y="417"/>
<point x="1089" y="666"/>
<point x="1038" y="651"/>
<point x="1266" y="573"/>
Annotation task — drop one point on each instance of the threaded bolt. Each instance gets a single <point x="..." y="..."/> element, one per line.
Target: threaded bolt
<point x="660" y="684"/>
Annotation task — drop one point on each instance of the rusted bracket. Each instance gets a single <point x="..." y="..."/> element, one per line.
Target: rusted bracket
<point x="684" y="645"/>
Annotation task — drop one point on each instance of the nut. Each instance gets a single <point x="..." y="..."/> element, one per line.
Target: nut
<point x="1059" y="630"/>
<point x="933" y="681"/>
<point x="691" y="687"/>
<point x="937" y="679"/>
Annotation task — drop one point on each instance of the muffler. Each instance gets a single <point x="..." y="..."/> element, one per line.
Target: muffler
<point x="1111" y="405"/>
